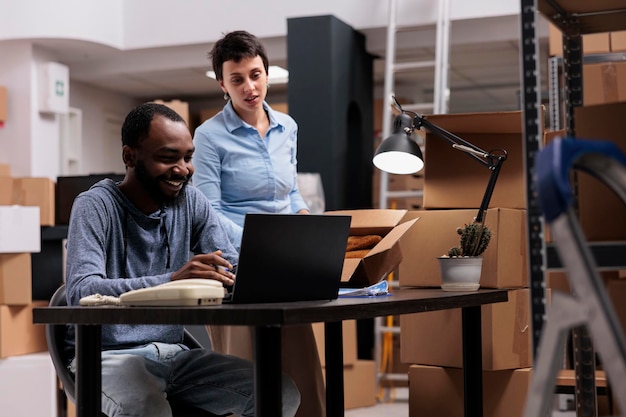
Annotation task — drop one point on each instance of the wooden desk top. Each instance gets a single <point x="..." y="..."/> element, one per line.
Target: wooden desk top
<point x="401" y="301"/>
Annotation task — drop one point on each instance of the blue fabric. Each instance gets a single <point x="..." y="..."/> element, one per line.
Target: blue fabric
<point x="240" y="172"/>
<point x="553" y="167"/>
<point x="112" y="247"/>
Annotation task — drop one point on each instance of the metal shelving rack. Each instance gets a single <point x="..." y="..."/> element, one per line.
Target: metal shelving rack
<point x="555" y="65"/>
<point x="574" y="18"/>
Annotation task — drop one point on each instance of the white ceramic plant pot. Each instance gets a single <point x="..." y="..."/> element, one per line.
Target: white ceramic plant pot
<point x="460" y="273"/>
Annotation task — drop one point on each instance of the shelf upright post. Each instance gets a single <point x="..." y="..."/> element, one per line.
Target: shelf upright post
<point x="532" y="128"/>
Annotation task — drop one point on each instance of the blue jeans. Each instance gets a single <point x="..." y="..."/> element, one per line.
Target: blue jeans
<point x="138" y="382"/>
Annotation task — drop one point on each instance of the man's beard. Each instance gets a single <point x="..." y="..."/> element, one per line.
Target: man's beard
<point x="152" y="185"/>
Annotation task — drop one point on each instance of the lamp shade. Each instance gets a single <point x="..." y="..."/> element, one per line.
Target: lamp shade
<point x="399" y="153"/>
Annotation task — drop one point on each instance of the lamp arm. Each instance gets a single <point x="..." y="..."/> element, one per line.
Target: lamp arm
<point x="495" y="171"/>
<point x="458" y="143"/>
<point x="491" y="160"/>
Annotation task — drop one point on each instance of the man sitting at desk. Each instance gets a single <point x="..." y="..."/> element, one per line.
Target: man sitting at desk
<point x="140" y="233"/>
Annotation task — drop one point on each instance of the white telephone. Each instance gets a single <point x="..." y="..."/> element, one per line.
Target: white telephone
<point x="184" y="292"/>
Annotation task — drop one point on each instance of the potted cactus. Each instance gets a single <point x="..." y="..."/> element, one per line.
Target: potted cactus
<point x="461" y="266"/>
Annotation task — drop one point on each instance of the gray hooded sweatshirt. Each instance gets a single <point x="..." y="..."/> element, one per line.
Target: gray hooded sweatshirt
<point x="112" y="247"/>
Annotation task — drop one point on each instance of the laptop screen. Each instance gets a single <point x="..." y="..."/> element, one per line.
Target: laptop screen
<point x="290" y="257"/>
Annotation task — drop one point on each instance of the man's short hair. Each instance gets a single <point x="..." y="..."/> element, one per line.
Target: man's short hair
<point x="136" y="126"/>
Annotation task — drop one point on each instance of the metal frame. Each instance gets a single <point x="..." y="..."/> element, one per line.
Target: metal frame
<point x="588" y="306"/>
<point x="572" y="25"/>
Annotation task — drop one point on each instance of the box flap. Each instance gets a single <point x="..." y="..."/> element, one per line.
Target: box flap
<point x="371" y="221"/>
<point x="349" y="266"/>
<point x="392" y="237"/>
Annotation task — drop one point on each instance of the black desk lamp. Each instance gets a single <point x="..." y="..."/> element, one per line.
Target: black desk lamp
<point x="400" y="154"/>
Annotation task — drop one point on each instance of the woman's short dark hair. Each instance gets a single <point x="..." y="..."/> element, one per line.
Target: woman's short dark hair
<point x="235" y="46"/>
<point x="136" y="126"/>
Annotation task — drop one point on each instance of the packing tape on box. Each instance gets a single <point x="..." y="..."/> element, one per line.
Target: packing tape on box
<point x="609" y="83"/>
<point x="19" y="195"/>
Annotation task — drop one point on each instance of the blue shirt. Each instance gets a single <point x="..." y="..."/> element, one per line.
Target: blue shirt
<point x="240" y="172"/>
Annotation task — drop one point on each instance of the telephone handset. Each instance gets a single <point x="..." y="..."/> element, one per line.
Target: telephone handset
<point x="184" y="292"/>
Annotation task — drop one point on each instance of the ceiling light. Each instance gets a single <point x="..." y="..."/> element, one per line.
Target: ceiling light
<point x="276" y="75"/>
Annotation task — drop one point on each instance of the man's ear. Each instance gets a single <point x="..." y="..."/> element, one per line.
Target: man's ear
<point x="129" y="156"/>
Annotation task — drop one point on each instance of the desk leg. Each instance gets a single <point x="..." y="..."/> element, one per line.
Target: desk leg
<point x="267" y="371"/>
<point x="88" y="370"/>
<point x="333" y="345"/>
<point x="472" y="362"/>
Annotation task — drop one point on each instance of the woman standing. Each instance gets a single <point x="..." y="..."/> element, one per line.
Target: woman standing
<point x="245" y="161"/>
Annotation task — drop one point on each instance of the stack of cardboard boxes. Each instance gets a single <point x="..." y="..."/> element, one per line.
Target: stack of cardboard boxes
<point x="454" y="185"/>
<point x="24" y="360"/>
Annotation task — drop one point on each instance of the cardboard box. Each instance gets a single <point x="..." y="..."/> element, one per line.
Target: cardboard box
<point x="436" y="391"/>
<point x="29" y="386"/>
<point x="350" y="353"/>
<point x="504" y="261"/>
<point x="601" y="212"/>
<point x="6" y="191"/>
<point x="453" y="179"/>
<point x="593" y="43"/>
<point x="618" y="41"/>
<point x="382" y="258"/>
<point x="604" y="83"/>
<point x="359" y="385"/>
<point x="71" y="409"/>
<point x="435" y="337"/>
<point x="616" y="290"/>
<point x="31" y="191"/>
<point x="19" y="229"/>
<point x="18" y="334"/>
<point x="15" y="279"/>
<point x="595" y="200"/>
<point x="5" y="169"/>
<point x="4" y="105"/>
<point x="558" y="281"/>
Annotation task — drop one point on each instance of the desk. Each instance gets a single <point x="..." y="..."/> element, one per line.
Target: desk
<point x="268" y="319"/>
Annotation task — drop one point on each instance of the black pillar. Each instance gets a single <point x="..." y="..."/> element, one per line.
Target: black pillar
<point x="330" y="95"/>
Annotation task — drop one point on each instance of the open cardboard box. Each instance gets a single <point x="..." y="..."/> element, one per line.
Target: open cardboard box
<point x="382" y="258"/>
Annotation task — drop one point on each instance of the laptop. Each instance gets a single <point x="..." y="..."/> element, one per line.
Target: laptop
<point x="290" y="257"/>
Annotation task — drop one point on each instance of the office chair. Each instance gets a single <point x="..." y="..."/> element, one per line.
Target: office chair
<point x="55" y="336"/>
